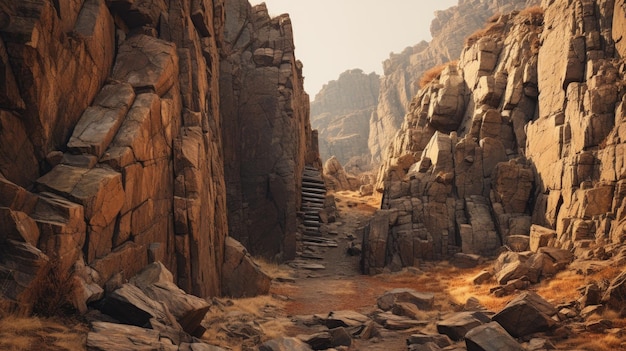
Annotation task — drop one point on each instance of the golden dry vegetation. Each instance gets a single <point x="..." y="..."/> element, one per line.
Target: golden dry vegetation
<point x="434" y="73"/>
<point x="33" y="333"/>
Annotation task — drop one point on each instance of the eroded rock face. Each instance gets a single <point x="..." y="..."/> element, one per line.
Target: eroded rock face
<point x="537" y="150"/>
<point x="341" y="112"/>
<point x="402" y="71"/>
<point x="111" y="139"/>
<point x="265" y="128"/>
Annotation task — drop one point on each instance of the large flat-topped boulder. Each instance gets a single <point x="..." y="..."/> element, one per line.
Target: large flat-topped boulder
<point x="526" y="314"/>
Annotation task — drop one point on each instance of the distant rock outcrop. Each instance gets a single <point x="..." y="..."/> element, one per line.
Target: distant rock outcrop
<point x="121" y="121"/>
<point x="402" y="71"/>
<point x="524" y="130"/>
<point x="341" y="113"/>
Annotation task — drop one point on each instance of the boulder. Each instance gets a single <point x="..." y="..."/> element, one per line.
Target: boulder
<point x="510" y="265"/>
<point x="285" y="344"/>
<point x="344" y="319"/>
<point x="340" y="337"/>
<point x="130" y="305"/>
<point x="491" y="337"/>
<point x="423" y="301"/>
<point x="526" y="314"/>
<point x="540" y="237"/>
<point x="482" y="277"/>
<point x="394" y="322"/>
<point x="158" y="284"/>
<point x="409" y="310"/>
<point x="241" y="276"/>
<point x="420" y="339"/>
<point x="615" y="295"/>
<point x="105" y="336"/>
<point x="458" y="324"/>
<point x="317" y="341"/>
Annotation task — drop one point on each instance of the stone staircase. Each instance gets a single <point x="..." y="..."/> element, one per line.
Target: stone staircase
<point x="313" y="199"/>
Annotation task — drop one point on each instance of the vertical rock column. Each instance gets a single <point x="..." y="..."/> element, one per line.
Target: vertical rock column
<point x="266" y="129"/>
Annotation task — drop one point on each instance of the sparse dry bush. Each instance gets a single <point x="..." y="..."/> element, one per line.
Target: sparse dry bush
<point x="531" y="11"/>
<point x="480" y="33"/>
<point x="53" y="292"/>
<point x="434" y="73"/>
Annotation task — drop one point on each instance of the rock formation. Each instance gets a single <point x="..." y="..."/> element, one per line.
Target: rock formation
<point x="265" y="127"/>
<point x="341" y="113"/>
<point x="402" y="71"/>
<point x="524" y="130"/>
<point x="117" y="119"/>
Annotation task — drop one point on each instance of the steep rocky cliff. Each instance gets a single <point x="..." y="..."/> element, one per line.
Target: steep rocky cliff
<point x="116" y="121"/>
<point x="266" y="130"/>
<point x="341" y="113"/>
<point x="522" y="136"/>
<point x="402" y="71"/>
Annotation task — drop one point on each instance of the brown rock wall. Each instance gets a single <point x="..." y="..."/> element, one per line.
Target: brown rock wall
<point x="266" y="130"/>
<point x="111" y="138"/>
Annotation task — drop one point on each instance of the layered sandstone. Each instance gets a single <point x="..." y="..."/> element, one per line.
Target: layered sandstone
<point x="524" y="130"/>
<point x="341" y="113"/>
<point x="113" y="121"/>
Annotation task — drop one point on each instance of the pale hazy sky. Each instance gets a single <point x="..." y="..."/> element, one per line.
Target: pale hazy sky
<point x="332" y="36"/>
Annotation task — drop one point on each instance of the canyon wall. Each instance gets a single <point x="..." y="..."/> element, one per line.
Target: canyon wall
<point x="519" y="141"/>
<point x="116" y="121"/>
<point x="402" y="71"/>
<point x="341" y="113"/>
<point x="266" y="130"/>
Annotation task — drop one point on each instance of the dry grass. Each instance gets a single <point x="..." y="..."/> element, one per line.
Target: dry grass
<point x="274" y="270"/>
<point x="474" y="37"/>
<point x="595" y="342"/>
<point x="240" y="324"/>
<point x="531" y="11"/>
<point x="431" y="74"/>
<point x="25" y="334"/>
<point x="562" y="288"/>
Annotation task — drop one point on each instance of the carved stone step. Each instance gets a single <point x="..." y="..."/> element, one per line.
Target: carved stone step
<point x="313" y="226"/>
<point x="313" y="190"/>
<point x="313" y="195"/>
<point x="314" y="184"/>
<point x="313" y="179"/>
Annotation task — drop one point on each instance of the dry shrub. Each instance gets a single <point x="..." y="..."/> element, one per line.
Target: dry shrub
<point x="53" y="292"/>
<point x="490" y="28"/>
<point x="434" y="73"/>
<point x="531" y="11"/>
<point x="431" y="74"/>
